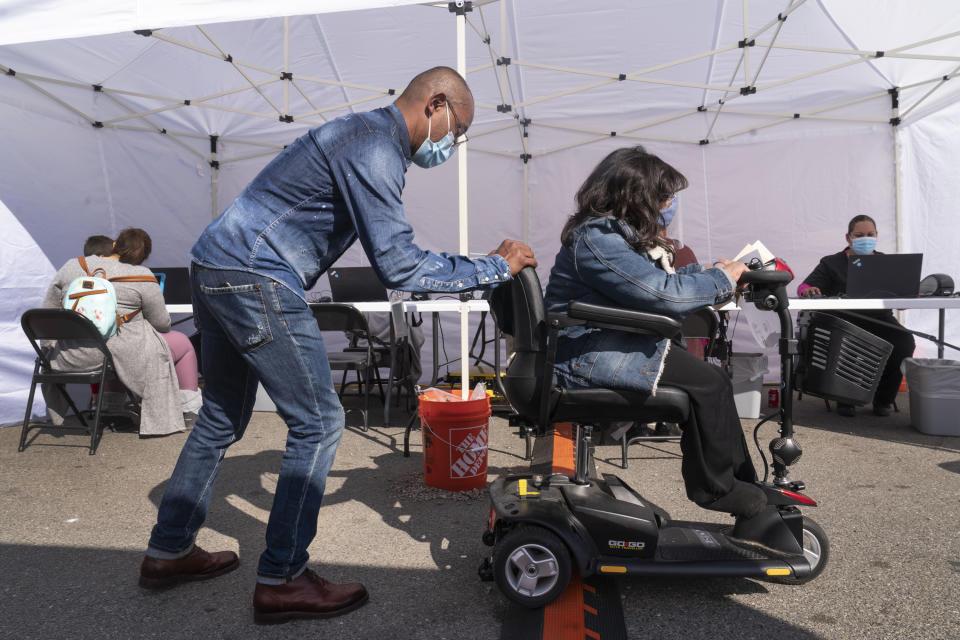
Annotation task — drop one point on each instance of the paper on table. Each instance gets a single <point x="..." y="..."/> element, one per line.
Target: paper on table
<point x="759" y="249"/>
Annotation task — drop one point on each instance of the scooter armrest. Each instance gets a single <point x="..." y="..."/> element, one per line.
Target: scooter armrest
<point x="594" y="315"/>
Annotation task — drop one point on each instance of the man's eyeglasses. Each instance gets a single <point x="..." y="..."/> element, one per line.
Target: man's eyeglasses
<point x="459" y="131"/>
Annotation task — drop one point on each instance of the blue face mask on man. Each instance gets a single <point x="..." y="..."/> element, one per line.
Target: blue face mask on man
<point x="671" y="210"/>
<point x="863" y="245"/>
<point x="430" y="154"/>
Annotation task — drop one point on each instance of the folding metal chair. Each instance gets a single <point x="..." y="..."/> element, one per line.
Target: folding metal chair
<point x="331" y="316"/>
<point x="66" y="325"/>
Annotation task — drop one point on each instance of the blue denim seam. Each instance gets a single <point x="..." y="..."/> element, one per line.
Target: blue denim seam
<point x="206" y="487"/>
<point x="623" y="361"/>
<point x="316" y="410"/>
<point x="642" y="285"/>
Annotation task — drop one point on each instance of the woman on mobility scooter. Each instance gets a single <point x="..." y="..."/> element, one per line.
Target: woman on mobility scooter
<point x="614" y="254"/>
<point x="596" y="349"/>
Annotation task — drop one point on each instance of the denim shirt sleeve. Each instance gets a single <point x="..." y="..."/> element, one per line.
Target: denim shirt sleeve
<point x="371" y="178"/>
<point x="693" y="267"/>
<point x="606" y="262"/>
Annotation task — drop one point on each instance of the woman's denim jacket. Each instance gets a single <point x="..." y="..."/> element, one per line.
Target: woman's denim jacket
<point x="600" y="267"/>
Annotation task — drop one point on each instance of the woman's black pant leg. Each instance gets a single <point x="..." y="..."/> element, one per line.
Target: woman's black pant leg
<point x="714" y="448"/>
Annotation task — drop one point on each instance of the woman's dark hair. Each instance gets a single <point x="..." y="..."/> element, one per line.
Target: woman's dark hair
<point x="629" y="185"/>
<point x="860" y="218"/>
<point x="133" y="246"/>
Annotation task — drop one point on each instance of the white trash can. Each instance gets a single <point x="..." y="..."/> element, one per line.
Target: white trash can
<point x="934" y="395"/>
<point x="748" y="370"/>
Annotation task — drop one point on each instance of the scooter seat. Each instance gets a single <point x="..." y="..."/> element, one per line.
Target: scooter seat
<point x="670" y="404"/>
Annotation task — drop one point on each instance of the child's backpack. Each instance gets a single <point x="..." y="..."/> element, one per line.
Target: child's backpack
<point x="95" y="298"/>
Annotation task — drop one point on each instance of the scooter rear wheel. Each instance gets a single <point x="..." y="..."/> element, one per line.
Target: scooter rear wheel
<point x="816" y="549"/>
<point x="531" y="565"/>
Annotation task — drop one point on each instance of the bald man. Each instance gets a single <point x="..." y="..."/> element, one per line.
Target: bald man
<point x="251" y="267"/>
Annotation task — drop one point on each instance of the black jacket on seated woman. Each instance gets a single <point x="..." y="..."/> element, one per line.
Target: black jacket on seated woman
<point x="829" y="278"/>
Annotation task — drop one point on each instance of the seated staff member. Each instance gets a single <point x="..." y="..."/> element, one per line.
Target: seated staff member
<point x="614" y="254"/>
<point x="829" y="278"/>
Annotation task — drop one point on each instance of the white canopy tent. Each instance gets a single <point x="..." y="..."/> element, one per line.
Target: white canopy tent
<point x="788" y="116"/>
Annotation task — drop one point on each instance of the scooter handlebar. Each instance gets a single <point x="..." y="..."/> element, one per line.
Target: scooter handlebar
<point x="760" y="276"/>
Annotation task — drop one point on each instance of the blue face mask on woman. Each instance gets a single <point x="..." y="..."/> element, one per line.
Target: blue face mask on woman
<point x="863" y="246"/>
<point x="430" y="154"/>
<point x="671" y="210"/>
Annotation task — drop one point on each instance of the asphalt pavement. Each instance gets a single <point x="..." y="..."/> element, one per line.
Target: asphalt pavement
<point x="73" y="528"/>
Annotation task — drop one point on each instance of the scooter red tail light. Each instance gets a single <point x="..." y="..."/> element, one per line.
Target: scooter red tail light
<point x="799" y="497"/>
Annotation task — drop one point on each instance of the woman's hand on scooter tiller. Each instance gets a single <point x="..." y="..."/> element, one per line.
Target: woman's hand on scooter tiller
<point x="734" y="268"/>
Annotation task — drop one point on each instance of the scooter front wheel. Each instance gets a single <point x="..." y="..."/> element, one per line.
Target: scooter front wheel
<point x="531" y="565"/>
<point x="816" y="549"/>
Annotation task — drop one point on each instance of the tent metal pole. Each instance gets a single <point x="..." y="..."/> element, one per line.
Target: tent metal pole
<point x="250" y="156"/>
<point x="286" y="64"/>
<point x="811" y="116"/>
<point x="63" y="104"/>
<point x="897" y="188"/>
<point x="749" y="129"/>
<point x="229" y="58"/>
<point x="200" y="136"/>
<point x="214" y="175"/>
<point x="927" y="94"/>
<point x="156" y="129"/>
<point x="914" y="45"/>
<point x="753" y="82"/>
<point x="181" y="103"/>
<point x="950" y="76"/>
<point x="462" y="215"/>
<point x="307" y="98"/>
<point x="860" y="52"/>
<point x="746" y="37"/>
<point x="526" y="203"/>
<point x="342" y="105"/>
<point x="818" y="72"/>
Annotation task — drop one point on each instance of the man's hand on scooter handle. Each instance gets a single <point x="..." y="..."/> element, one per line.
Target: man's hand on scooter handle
<point x="517" y="254"/>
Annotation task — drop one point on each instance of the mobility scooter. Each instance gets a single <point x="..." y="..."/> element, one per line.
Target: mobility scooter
<point x="542" y="526"/>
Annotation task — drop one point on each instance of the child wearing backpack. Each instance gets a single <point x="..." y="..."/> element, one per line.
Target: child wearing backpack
<point x="144" y="362"/>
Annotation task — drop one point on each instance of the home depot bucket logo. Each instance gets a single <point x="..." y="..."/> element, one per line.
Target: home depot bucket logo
<point x="468" y="457"/>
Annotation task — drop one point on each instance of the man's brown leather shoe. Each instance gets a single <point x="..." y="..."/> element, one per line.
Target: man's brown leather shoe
<point x="196" y="565"/>
<point x="309" y="596"/>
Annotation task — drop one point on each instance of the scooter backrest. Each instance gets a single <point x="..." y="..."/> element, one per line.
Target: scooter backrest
<point x="520" y="312"/>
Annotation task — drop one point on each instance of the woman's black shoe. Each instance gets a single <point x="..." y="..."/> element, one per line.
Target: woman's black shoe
<point x="745" y="500"/>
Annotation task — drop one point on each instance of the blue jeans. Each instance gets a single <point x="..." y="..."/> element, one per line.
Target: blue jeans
<point x="255" y="330"/>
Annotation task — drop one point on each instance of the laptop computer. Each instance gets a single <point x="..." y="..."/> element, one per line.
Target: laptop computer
<point x="174" y="283"/>
<point x="356" y="284"/>
<point x="893" y="275"/>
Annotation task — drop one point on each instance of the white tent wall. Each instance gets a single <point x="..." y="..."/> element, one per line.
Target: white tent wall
<point x="27" y="275"/>
<point x="930" y="179"/>
<point x="577" y="70"/>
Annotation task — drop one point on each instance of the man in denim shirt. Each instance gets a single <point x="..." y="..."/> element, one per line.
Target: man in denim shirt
<point x="251" y="267"/>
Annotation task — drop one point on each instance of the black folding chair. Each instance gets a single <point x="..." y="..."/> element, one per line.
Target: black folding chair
<point x="332" y="316"/>
<point x="66" y="325"/>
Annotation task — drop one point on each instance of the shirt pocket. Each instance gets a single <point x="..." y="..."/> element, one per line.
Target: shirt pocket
<point x="242" y="313"/>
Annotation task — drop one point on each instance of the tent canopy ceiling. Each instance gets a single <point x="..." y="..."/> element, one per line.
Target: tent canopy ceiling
<point x="577" y="71"/>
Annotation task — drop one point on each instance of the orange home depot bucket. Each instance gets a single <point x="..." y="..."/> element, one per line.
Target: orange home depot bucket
<point x="454" y="443"/>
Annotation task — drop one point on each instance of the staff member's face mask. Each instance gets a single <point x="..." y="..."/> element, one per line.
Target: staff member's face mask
<point x="863" y="246"/>
<point x="430" y="154"/>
